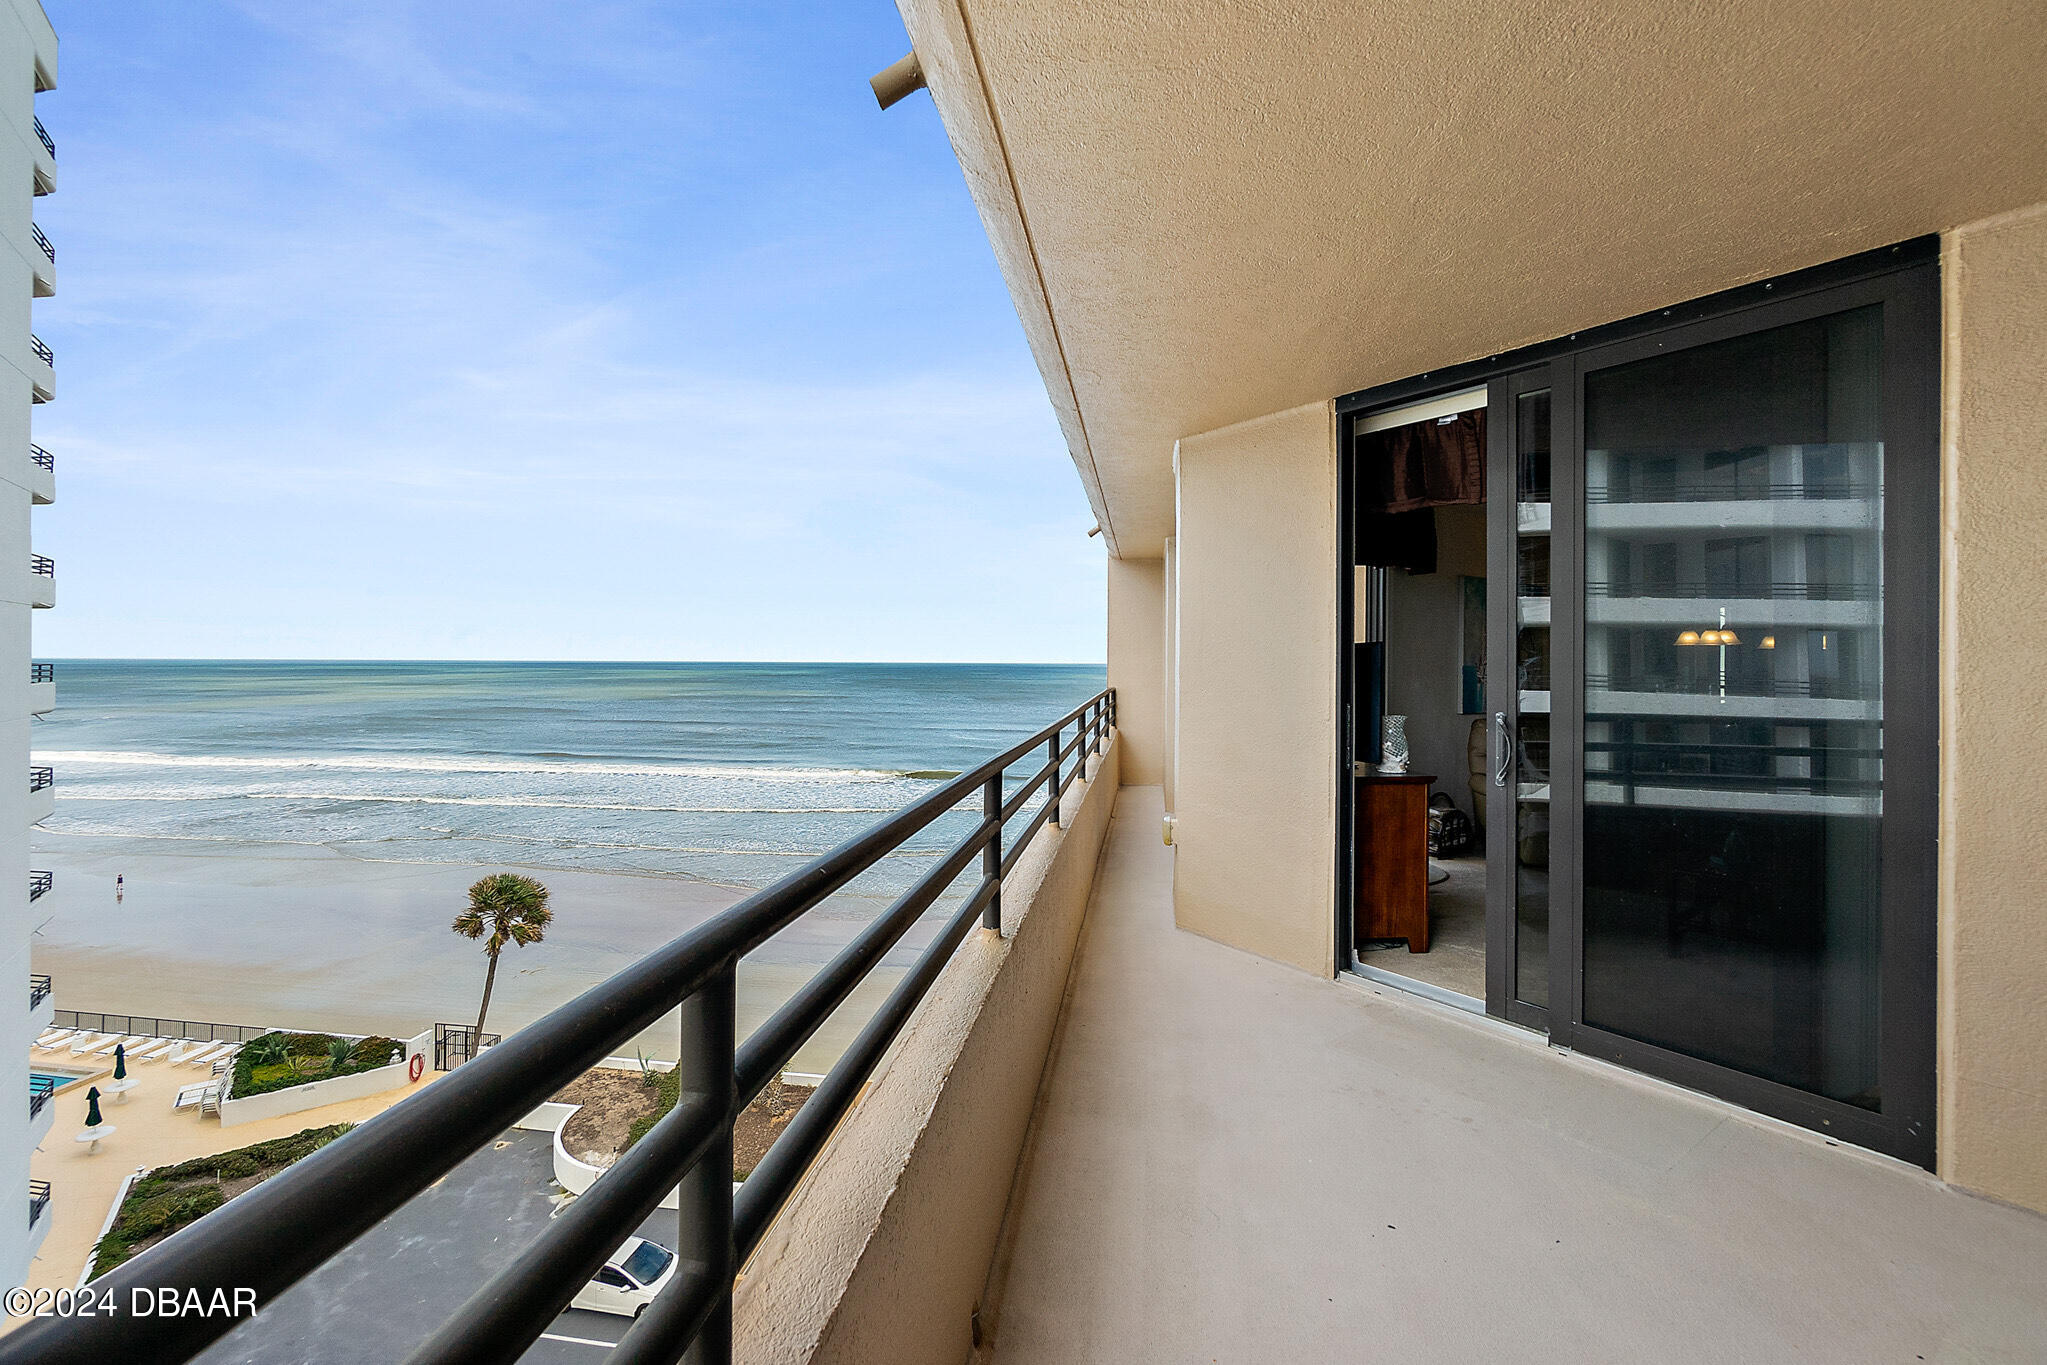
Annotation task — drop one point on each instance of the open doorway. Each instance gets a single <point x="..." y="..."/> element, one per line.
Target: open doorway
<point x="1419" y="744"/>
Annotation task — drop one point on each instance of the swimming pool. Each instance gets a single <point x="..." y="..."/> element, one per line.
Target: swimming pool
<point x="54" y="1079"/>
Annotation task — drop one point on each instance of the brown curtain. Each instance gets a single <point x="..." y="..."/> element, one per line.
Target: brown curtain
<point x="1438" y="462"/>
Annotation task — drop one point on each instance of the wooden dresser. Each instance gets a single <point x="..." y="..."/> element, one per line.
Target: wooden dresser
<point x="1392" y="873"/>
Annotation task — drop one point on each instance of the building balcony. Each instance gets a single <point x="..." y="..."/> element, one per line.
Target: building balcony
<point x="41" y="478"/>
<point x="42" y="263"/>
<point x="44" y="156"/>
<point x="38" y="1214"/>
<point x="41" y="1006"/>
<point x="42" y="794"/>
<point x="42" y="370"/>
<point x="1235" y="1160"/>
<point x="42" y="688"/>
<point x="42" y="1108"/>
<point x="42" y="581"/>
<point x="1105" y="1138"/>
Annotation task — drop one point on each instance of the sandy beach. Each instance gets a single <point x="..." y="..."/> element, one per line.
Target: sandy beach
<point x="302" y="936"/>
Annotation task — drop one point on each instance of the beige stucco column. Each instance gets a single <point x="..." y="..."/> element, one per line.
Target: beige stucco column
<point x="1993" y="884"/>
<point x="1137" y="667"/>
<point x="1254" y="781"/>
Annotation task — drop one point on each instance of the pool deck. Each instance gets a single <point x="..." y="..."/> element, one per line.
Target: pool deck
<point x="150" y="1133"/>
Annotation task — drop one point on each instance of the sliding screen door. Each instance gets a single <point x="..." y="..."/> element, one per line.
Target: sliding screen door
<point x="1758" y="600"/>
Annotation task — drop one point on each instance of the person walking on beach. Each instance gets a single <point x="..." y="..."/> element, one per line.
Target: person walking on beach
<point x="120" y="882"/>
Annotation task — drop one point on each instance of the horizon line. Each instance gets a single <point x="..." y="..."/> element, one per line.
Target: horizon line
<point x="384" y="659"/>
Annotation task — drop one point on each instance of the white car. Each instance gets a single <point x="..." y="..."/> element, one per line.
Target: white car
<point x="630" y="1279"/>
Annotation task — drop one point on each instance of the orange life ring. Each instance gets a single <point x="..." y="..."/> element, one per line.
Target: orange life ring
<point x="417" y="1067"/>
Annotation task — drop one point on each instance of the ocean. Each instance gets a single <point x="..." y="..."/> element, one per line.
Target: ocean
<point x="722" y="772"/>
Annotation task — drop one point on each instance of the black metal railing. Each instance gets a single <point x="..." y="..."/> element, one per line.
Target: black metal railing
<point x="43" y="136"/>
<point x="39" y="778"/>
<point x="1819" y="689"/>
<point x="42" y="349"/>
<point x="42" y="565"/>
<point x="41" y="673"/>
<point x="276" y="1233"/>
<point x="43" y="242"/>
<point x="38" y="983"/>
<point x="198" y="1030"/>
<point x="1811" y="490"/>
<point x="1796" y="590"/>
<point x="38" y="1199"/>
<point x="40" y="1088"/>
<point x="43" y="458"/>
<point x="39" y="884"/>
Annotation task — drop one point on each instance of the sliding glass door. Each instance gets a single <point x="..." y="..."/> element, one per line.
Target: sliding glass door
<point x="1709" y="726"/>
<point x="1758" y="594"/>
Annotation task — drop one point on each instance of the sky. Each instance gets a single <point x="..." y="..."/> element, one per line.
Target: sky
<point x="533" y="331"/>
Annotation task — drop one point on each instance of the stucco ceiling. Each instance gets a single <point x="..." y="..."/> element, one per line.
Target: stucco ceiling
<point x="1211" y="211"/>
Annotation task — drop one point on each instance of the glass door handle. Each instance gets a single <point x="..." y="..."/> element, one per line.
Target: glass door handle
<point x="1505" y="740"/>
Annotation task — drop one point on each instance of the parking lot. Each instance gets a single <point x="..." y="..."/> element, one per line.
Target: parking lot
<point x="377" y="1300"/>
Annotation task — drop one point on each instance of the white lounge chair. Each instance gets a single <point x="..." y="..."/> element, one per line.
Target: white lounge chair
<point x="151" y="1050"/>
<point x="210" y="1055"/>
<point x="55" y="1036"/>
<point x="107" y="1049"/>
<point x="194" y="1096"/>
<point x="86" y="1040"/>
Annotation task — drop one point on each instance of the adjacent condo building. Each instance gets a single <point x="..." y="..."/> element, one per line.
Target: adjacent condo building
<point x="28" y="274"/>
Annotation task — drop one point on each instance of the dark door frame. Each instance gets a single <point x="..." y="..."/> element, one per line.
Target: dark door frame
<point x="1905" y="280"/>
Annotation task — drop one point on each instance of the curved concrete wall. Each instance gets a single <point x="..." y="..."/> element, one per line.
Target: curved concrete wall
<point x="882" y="1253"/>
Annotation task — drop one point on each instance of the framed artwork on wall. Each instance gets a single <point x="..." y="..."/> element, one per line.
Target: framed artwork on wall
<point x="1472" y="702"/>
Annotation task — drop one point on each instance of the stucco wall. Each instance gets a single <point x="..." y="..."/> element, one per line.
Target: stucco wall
<point x="1993" y="944"/>
<point x="1255" y="784"/>
<point x="882" y="1253"/>
<point x="1137" y="666"/>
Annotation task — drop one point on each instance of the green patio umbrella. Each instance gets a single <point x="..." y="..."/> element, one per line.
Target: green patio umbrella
<point x="120" y="1061"/>
<point x="92" y="1108"/>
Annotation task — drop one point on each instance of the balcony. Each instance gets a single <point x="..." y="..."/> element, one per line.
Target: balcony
<point x="1228" y="1159"/>
<point x="44" y="155"/>
<point x="38" y="1208"/>
<point x="43" y="263"/>
<point x="42" y="476"/>
<point x="42" y="794"/>
<point x="42" y="688"/>
<point x="42" y="581"/>
<point x="40" y="1007"/>
<point x="1236" y="1160"/>
<point x="42" y="370"/>
<point x="42" y="1109"/>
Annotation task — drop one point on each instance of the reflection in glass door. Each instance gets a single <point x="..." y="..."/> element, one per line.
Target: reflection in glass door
<point x="1734" y="703"/>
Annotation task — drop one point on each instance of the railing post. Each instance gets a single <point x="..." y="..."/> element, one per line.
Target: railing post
<point x="704" y="1233"/>
<point x="991" y="852"/>
<point x="1052" y="748"/>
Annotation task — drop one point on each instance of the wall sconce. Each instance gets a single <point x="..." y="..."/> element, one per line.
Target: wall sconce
<point x="1769" y="642"/>
<point x="1690" y="637"/>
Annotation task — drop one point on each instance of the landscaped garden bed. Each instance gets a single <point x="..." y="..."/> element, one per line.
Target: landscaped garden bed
<point x="619" y="1107"/>
<point x="278" y="1061"/>
<point x="168" y="1198"/>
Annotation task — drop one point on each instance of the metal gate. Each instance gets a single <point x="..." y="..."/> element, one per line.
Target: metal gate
<point x="455" y="1044"/>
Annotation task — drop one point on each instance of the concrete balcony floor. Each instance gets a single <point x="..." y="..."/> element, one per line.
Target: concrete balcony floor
<point x="1234" y="1161"/>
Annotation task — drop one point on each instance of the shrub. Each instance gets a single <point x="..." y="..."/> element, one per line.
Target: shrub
<point x="667" y="1088"/>
<point x="278" y="1061"/>
<point x="170" y="1197"/>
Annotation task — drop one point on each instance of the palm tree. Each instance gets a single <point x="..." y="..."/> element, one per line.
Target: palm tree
<point x="503" y="908"/>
